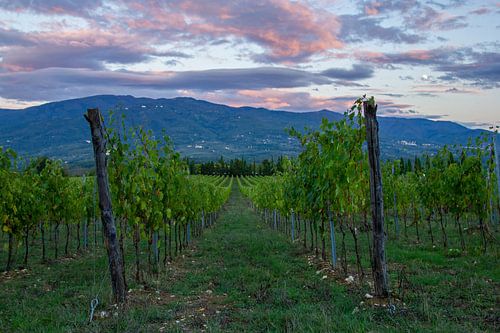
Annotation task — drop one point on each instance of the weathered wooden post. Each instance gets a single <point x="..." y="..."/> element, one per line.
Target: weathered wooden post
<point x="94" y="118"/>
<point x="379" y="268"/>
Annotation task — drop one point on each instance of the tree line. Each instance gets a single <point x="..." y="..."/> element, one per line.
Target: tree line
<point x="237" y="167"/>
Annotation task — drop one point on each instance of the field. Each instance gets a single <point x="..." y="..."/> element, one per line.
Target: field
<point x="218" y="248"/>
<point x="242" y="276"/>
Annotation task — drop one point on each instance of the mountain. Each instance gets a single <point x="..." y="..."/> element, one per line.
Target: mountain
<point x="202" y="130"/>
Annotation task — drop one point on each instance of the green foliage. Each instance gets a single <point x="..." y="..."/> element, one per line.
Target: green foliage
<point x="150" y="187"/>
<point x="330" y="174"/>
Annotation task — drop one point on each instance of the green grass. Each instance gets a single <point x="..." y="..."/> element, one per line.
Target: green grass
<point x="242" y="277"/>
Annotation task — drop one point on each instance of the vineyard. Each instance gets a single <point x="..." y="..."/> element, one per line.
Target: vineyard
<point x="295" y="251"/>
<point x="447" y="202"/>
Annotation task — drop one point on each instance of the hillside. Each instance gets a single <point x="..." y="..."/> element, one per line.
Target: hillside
<point x="202" y="130"/>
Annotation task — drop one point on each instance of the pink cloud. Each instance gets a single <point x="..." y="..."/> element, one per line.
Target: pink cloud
<point x="418" y="54"/>
<point x="279" y="99"/>
<point x="288" y="31"/>
<point x="83" y="48"/>
<point x="372" y="8"/>
<point x="412" y="57"/>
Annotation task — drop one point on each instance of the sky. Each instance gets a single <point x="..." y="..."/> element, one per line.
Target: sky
<point x="436" y="59"/>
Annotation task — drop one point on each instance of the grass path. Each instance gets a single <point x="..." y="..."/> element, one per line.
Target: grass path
<point x="239" y="276"/>
<point x="259" y="282"/>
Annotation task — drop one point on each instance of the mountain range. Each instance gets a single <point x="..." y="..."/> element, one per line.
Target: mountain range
<point x="202" y="130"/>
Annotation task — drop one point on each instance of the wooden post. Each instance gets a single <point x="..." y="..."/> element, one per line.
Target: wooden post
<point x="379" y="268"/>
<point x="94" y="118"/>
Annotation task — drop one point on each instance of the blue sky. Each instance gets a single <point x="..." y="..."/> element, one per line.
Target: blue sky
<point x="437" y="59"/>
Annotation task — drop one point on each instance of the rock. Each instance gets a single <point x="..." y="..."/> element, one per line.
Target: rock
<point x="349" y="279"/>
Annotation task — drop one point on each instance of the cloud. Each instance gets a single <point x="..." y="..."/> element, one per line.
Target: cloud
<point x="484" y="71"/>
<point x="57" y="83"/>
<point x="426" y="94"/>
<point x="52" y="7"/>
<point x="174" y="54"/>
<point x="481" y="11"/>
<point x="417" y="15"/>
<point x="346" y="83"/>
<point x="418" y="57"/>
<point x="302" y="101"/>
<point x="287" y="31"/>
<point x="389" y="107"/>
<point x="278" y="100"/>
<point x="428" y="18"/>
<point x="434" y="116"/>
<point x="434" y="89"/>
<point x="14" y="104"/>
<point x="406" y="78"/>
<point x="359" y="28"/>
<point x="383" y="7"/>
<point x="67" y="48"/>
<point x="392" y="95"/>
<point x="357" y="72"/>
<point x="9" y="37"/>
<point x="476" y="124"/>
<point x="84" y="48"/>
<point x="481" y="68"/>
<point x="386" y="107"/>
<point x="172" y="62"/>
